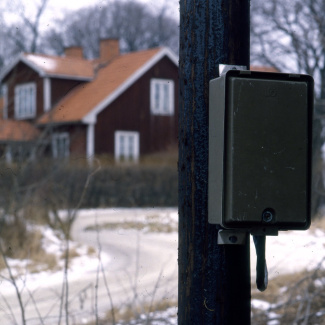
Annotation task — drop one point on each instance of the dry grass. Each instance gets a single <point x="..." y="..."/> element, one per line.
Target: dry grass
<point x="128" y="313"/>
<point x="44" y="262"/>
<point x="318" y="223"/>
<point x="91" y="250"/>
<point x="152" y="223"/>
<point x="30" y="250"/>
<point x="71" y="254"/>
<point x="36" y="212"/>
<point x="168" y="157"/>
<point x="276" y="285"/>
<point x="295" y="299"/>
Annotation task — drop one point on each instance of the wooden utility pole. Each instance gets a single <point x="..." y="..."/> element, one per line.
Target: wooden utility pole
<point x="214" y="280"/>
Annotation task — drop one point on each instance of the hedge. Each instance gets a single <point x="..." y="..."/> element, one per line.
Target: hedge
<point x="111" y="186"/>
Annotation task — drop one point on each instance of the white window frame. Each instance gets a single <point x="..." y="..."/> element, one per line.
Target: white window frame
<point x="28" y="108"/>
<point x="159" y="104"/>
<point x="59" y="137"/>
<point x="130" y="153"/>
<point x="5" y="101"/>
<point x="47" y="94"/>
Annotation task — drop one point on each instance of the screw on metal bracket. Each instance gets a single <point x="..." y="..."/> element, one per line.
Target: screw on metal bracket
<point x="233" y="239"/>
<point x="268" y="215"/>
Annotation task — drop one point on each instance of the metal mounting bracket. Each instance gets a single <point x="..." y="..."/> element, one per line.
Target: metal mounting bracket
<point x="223" y="68"/>
<point x="235" y="237"/>
<point x="232" y="237"/>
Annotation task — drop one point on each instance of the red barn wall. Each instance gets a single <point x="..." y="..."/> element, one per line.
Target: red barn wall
<point x="60" y="88"/>
<point x="131" y="112"/>
<point x="21" y="74"/>
<point x="78" y="138"/>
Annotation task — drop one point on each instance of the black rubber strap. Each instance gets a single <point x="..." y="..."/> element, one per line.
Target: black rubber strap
<point x="261" y="268"/>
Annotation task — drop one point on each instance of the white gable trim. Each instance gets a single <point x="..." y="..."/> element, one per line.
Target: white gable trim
<point x="32" y="66"/>
<point x="91" y="117"/>
<point x="171" y="55"/>
<point x="8" y="68"/>
<point x="21" y="58"/>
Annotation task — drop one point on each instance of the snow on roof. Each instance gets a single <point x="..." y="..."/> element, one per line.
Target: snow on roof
<point x="54" y="66"/>
<point x="45" y="63"/>
<point x="60" y="66"/>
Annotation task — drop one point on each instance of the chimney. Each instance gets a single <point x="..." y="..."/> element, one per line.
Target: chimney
<point x="74" y="52"/>
<point x="109" y="49"/>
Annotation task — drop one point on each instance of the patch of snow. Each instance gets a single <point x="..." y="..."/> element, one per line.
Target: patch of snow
<point x="291" y="251"/>
<point x="50" y="241"/>
<point x="260" y="304"/>
<point x="320" y="313"/>
<point x="319" y="233"/>
<point x="78" y="266"/>
<point x="87" y="264"/>
<point x="273" y="321"/>
<point x="168" y="316"/>
<point x="42" y="62"/>
<point x="319" y="283"/>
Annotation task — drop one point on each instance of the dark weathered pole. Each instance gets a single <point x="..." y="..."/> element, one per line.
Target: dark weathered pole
<point x="214" y="280"/>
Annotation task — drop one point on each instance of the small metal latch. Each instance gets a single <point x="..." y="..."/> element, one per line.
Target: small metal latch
<point x="231" y="237"/>
<point x="223" y="68"/>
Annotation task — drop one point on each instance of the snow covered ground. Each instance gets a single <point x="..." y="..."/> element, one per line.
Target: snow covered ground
<point x="128" y="261"/>
<point x="79" y="265"/>
<point x="292" y="251"/>
<point x="287" y="253"/>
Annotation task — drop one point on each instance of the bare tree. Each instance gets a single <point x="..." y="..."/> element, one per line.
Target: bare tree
<point x="82" y="28"/>
<point x="137" y="25"/>
<point x="23" y="33"/>
<point x="134" y="23"/>
<point x="290" y="36"/>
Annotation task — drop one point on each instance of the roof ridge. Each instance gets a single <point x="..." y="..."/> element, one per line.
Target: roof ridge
<point x="157" y="48"/>
<point x="91" y="60"/>
<point x="56" y="56"/>
<point x="100" y="65"/>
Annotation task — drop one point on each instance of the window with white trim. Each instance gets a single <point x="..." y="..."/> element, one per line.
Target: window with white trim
<point x="25" y="101"/>
<point x="60" y="145"/>
<point x="162" y="96"/>
<point x="127" y="146"/>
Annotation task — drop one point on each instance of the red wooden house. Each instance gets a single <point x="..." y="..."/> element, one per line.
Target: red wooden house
<point x="124" y="105"/>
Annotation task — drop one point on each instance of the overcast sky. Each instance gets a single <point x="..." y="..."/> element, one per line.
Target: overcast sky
<point x="56" y="8"/>
<point x="76" y="4"/>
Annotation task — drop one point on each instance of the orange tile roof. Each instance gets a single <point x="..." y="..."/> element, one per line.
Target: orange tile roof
<point x="61" y="66"/>
<point x="77" y="104"/>
<point x="263" y="69"/>
<point x="11" y="130"/>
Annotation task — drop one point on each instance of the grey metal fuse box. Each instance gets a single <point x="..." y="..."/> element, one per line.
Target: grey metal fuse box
<point x="260" y="138"/>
